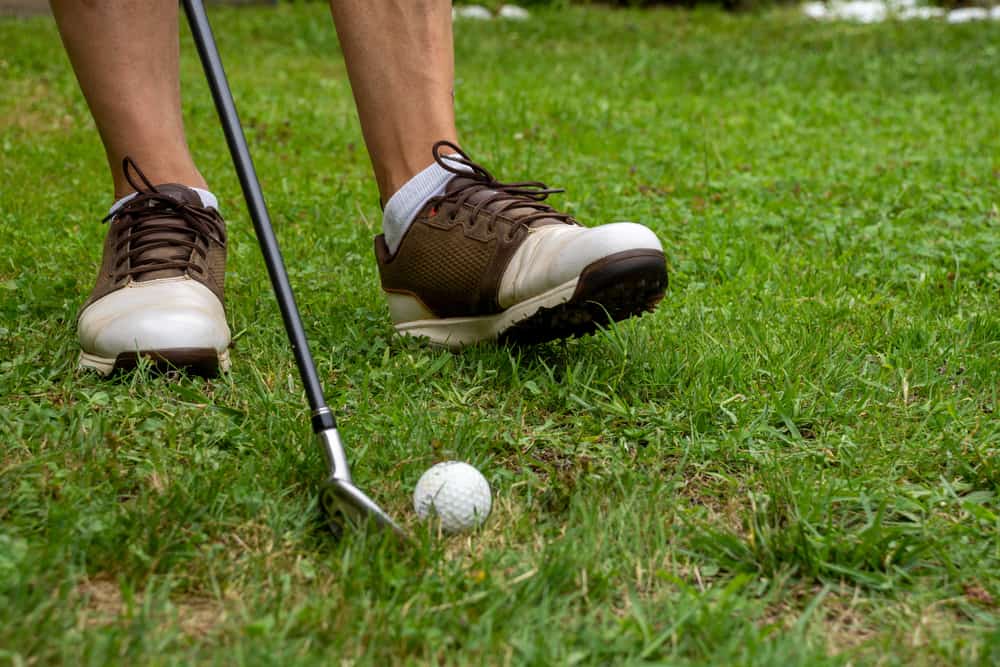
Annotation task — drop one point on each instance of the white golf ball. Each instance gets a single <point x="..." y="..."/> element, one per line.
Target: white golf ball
<point x="456" y="492"/>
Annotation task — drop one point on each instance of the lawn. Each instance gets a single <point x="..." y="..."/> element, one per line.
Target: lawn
<point x="794" y="460"/>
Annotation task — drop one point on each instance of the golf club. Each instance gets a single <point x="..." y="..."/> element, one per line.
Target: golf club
<point x="341" y="499"/>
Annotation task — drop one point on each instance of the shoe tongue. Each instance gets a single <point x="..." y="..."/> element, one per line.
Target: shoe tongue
<point x="180" y="192"/>
<point x="174" y="251"/>
<point x="483" y="193"/>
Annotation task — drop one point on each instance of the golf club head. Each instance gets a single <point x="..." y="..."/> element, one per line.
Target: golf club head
<point x="343" y="502"/>
<point x="347" y="505"/>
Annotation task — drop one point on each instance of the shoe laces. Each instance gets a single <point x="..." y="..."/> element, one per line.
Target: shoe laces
<point x="502" y="197"/>
<point x="160" y="231"/>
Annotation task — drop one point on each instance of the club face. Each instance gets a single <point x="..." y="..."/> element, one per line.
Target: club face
<point x="346" y="506"/>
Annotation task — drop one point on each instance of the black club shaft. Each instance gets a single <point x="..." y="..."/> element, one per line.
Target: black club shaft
<point x="223" y="97"/>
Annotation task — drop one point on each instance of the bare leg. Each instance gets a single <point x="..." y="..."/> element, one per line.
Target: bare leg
<point x="125" y="54"/>
<point x="402" y="70"/>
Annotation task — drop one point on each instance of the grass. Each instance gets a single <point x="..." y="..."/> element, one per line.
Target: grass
<point x="793" y="461"/>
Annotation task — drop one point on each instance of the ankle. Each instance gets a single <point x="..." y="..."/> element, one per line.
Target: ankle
<point x="393" y="173"/>
<point x="158" y="171"/>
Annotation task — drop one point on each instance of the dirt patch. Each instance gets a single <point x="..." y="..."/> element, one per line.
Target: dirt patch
<point x="723" y="504"/>
<point x="102" y="600"/>
<point x="198" y="616"/>
<point x="842" y="617"/>
<point x="851" y="623"/>
<point x="846" y="625"/>
<point x="103" y="605"/>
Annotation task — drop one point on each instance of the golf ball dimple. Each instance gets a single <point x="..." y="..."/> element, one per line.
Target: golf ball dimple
<point x="456" y="493"/>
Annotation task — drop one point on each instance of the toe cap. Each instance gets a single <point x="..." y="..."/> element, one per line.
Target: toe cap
<point x="154" y="315"/>
<point x="555" y="254"/>
<point x="596" y="243"/>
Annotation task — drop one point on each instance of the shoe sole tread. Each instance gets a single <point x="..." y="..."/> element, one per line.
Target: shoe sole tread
<point x="205" y="362"/>
<point x="614" y="288"/>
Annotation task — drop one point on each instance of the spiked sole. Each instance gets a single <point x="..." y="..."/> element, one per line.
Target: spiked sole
<point x="609" y="290"/>
<point x="206" y="362"/>
<point x="617" y="287"/>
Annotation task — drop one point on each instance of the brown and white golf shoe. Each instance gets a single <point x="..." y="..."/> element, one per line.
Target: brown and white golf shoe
<point x="491" y="261"/>
<point x="159" y="293"/>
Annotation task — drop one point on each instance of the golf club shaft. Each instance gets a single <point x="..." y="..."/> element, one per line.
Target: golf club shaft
<point x="322" y="417"/>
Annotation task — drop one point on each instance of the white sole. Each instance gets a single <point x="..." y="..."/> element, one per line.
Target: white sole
<point x="458" y="332"/>
<point x="106" y="366"/>
<point x="619" y="286"/>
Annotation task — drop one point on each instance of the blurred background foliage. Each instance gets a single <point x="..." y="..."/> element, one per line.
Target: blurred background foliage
<point x="729" y="5"/>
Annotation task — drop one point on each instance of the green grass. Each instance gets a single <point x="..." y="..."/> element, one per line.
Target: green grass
<point x="793" y="461"/>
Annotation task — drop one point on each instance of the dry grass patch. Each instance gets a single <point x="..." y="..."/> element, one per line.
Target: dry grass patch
<point x="851" y="623"/>
<point x="723" y="504"/>
<point x="31" y="108"/>
<point x="103" y="605"/>
<point x="102" y="600"/>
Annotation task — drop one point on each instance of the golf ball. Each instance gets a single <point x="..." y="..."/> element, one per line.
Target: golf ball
<point x="456" y="493"/>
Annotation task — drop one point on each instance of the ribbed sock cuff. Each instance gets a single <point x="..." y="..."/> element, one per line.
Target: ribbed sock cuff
<point x="208" y="200"/>
<point x="410" y="199"/>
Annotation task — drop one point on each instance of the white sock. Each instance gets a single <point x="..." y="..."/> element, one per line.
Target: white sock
<point x="410" y="199"/>
<point x="208" y="200"/>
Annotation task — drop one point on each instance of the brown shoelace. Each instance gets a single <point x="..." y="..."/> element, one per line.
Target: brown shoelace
<point x="504" y="197"/>
<point x="152" y="219"/>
